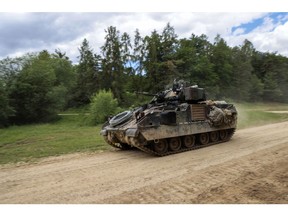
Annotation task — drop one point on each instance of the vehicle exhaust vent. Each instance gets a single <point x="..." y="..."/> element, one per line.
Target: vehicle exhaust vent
<point x="198" y="112"/>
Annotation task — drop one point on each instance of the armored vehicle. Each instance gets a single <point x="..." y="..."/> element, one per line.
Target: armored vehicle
<point x="176" y="120"/>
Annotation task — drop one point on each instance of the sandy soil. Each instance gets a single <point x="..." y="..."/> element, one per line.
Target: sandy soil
<point x="251" y="168"/>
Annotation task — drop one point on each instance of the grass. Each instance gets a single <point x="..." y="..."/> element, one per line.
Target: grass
<point x="31" y="142"/>
<point x="26" y="143"/>
<point x="250" y="115"/>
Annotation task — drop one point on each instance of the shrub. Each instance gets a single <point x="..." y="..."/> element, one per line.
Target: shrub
<point x="102" y="106"/>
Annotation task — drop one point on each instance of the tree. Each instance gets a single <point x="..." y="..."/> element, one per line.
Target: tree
<point x="33" y="95"/>
<point x="152" y="62"/>
<point x="256" y="89"/>
<point x="242" y="72"/>
<point x="138" y="53"/>
<point x="272" y="70"/>
<point x="88" y="75"/>
<point x="65" y="76"/>
<point x="6" y="111"/>
<point x="39" y="90"/>
<point x="115" y="53"/>
<point x="159" y="64"/>
<point x="195" y="66"/>
<point x="135" y="66"/>
<point x="169" y="42"/>
<point x="221" y="59"/>
<point x="59" y="54"/>
<point x="9" y="71"/>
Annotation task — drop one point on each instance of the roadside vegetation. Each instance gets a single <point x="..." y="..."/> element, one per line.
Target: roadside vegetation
<point x="71" y="134"/>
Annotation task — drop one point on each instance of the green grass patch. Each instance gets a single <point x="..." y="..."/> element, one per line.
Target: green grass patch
<point x="26" y="143"/>
<point x="250" y="115"/>
<point x="70" y="135"/>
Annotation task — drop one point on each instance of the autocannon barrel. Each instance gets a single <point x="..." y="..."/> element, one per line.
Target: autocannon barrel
<point x="146" y="93"/>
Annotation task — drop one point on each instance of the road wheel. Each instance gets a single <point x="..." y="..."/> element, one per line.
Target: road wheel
<point x="223" y="134"/>
<point x="189" y="141"/>
<point x="175" y="144"/>
<point x="214" y="136"/>
<point x="161" y="146"/>
<point x="204" y="138"/>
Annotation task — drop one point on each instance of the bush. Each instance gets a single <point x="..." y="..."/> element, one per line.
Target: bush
<point x="102" y="106"/>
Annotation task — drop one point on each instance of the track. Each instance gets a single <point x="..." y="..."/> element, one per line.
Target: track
<point x="250" y="168"/>
<point x="150" y="148"/>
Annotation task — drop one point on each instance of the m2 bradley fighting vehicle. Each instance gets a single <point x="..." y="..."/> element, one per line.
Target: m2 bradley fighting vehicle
<point x="176" y="120"/>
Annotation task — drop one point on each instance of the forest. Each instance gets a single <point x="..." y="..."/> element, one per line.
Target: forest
<point x="35" y="87"/>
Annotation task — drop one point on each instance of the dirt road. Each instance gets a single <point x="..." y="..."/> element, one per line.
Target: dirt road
<point x="251" y="168"/>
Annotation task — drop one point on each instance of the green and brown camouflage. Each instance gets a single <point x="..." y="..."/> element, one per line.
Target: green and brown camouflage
<point x="176" y="120"/>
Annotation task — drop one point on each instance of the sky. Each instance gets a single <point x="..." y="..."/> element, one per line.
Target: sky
<point x="32" y="29"/>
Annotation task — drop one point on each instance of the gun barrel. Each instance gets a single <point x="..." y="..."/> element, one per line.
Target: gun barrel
<point x="146" y="93"/>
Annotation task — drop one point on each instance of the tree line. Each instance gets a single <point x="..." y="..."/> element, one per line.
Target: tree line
<point x="36" y="86"/>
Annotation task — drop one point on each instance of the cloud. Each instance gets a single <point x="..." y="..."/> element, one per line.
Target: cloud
<point x="238" y="31"/>
<point x="270" y="36"/>
<point x="27" y="32"/>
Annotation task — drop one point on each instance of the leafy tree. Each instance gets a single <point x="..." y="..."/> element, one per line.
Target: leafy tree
<point x="11" y="67"/>
<point x="195" y="66"/>
<point x="272" y="92"/>
<point x="65" y="76"/>
<point x="221" y="58"/>
<point x="272" y="70"/>
<point x="9" y="71"/>
<point x="6" y="111"/>
<point x="242" y="72"/>
<point x="32" y="94"/>
<point x="39" y="90"/>
<point x="186" y="56"/>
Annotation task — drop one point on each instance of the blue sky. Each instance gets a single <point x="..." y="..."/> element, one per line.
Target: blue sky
<point x="276" y="17"/>
<point x="250" y="26"/>
<point x="23" y="31"/>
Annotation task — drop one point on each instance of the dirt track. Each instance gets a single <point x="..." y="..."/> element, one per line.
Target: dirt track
<point x="251" y="168"/>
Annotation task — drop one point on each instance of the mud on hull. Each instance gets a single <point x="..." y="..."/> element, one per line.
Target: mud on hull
<point x="165" y="140"/>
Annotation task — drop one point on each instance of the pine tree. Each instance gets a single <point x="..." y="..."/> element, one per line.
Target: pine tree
<point x="88" y="78"/>
<point x="115" y="54"/>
